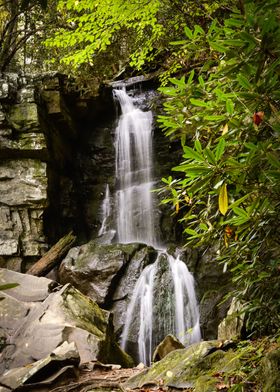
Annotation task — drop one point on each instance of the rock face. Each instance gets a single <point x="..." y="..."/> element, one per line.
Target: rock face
<point x="212" y="285"/>
<point x="106" y="273"/>
<point x="34" y="326"/>
<point x="44" y="181"/>
<point x="23" y="174"/>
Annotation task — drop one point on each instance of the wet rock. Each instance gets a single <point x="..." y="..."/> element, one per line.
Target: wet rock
<point x="95" y="268"/>
<point x="122" y="294"/>
<point x="169" y="343"/>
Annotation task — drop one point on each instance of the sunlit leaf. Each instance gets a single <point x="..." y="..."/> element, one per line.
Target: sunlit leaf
<point x="225" y="129"/>
<point x="223" y="199"/>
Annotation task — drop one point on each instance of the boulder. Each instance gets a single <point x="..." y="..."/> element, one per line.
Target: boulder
<point x="169" y="343"/>
<point x="269" y="371"/>
<point x="231" y="326"/>
<point x="192" y="367"/>
<point x="95" y="269"/>
<point x="64" y="360"/>
<point x="64" y="315"/>
<point x="123" y="291"/>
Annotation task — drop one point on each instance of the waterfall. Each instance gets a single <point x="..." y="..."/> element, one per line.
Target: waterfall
<point x="163" y="300"/>
<point x="187" y="313"/>
<point x="134" y="199"/>
<point x="142" y="304"/>
<point x="105" y="212"/>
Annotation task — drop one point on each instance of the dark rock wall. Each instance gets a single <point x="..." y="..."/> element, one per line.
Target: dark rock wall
<point x="50" y="176"/>
<point x="56" y="157"/>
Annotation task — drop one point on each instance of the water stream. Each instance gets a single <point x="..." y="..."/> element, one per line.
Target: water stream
<point x="134" y="199"/>
<point x="105" y="212"/>
<point x="163" y="301"/>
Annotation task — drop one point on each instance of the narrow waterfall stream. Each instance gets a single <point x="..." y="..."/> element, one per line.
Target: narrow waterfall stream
<point x="105" y="212"/>
<point x="134" y="199"/>
<point x="163" y="300"/>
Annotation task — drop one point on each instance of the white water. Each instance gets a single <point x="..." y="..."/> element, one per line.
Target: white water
<point x="134" y="200"/>
<point x="142" y="299"/>
<point x="105" y="212"/>
<point x="135" y="222"/>
<point x="187" y="312"/>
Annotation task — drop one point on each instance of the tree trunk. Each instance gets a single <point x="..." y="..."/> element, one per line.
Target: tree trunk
<point x="53" y="256"/>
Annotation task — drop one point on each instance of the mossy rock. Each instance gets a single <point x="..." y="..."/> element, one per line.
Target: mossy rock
<point x="187" y="368"/>
<point x="269" y="372"/>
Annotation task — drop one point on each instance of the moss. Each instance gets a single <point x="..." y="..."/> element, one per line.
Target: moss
<point x="177" y="368"/>
<point x="268" y="375"/>
<point x="86" y="311"/>
<point x="205" y="384"/>
<point x="117" y="355"/>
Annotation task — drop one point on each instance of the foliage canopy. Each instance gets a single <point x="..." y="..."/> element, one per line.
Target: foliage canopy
<point x="130" y="31"/>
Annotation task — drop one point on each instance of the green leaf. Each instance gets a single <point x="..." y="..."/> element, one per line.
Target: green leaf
<point x="220" y="149"/>
<point x="223" y="199"/>
<point x="234" y="42"/>
<point x="190" y="231"/>
<point x="218" y="47"/>
<point x="200" y="184"/>
<point x="8" y="286"/>
<point x="198" y="102"/>
<point x="198" y="146"/>
<point x="192" y="170"/>
<point x="182" y="42"/>
<point x="198" y="30"/>
<point x="201" y="81"/>
<point x="191" y="76"/>
<point x="203" y="226"/>
<point x="215" y="117"/>
<point x="239" y="201"/>
<point x="244" y="82"/>
<point x="273" y="159"/>
<point x="188" y="32"/>
<point x="210" y="156"/>
<point x="190" y="153"/>
<point x="240" y="212"/>
<point x="229" y="106"/>
<point x="234" y="22"/>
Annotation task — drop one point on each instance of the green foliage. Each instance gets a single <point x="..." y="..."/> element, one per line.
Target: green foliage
<point x="131" y="32"/>
<point x="228" y="188"/>
<point x="7" y="286"/>
<point x="92" y="26"/>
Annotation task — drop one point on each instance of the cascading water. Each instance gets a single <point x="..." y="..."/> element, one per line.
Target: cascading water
<point x="134" y="200"/>
<point x="163" y="300"/>
<point x="105" y="212"/>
